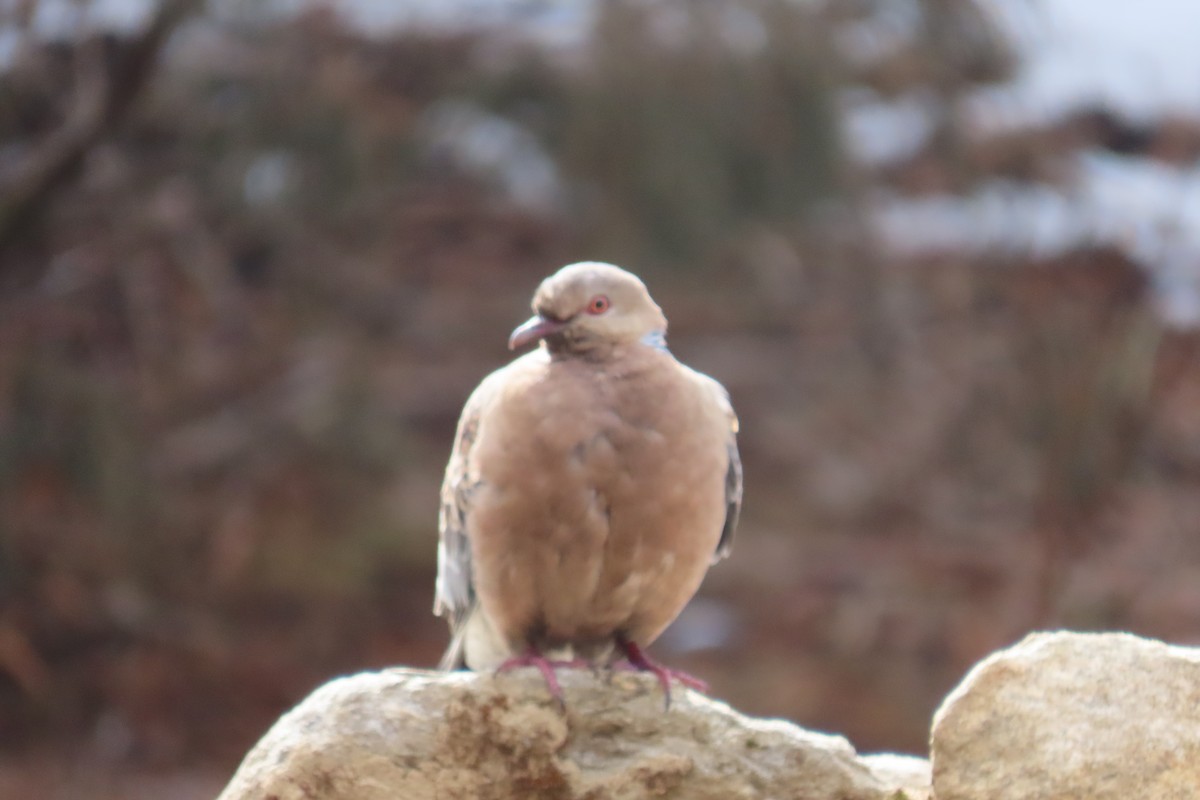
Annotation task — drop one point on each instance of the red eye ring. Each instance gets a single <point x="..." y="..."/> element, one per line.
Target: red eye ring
<point x="598" y="304"/>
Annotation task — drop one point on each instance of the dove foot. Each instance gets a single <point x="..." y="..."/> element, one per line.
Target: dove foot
<point x="638" y="660"/>
<point x="532" y="658"/>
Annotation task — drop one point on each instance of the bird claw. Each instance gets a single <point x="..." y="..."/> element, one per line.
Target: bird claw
<point x="638" y="660"/>
<point x="532" y="658"/>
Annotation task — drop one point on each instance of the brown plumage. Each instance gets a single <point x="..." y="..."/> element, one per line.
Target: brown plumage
<point x="591" y="483"/>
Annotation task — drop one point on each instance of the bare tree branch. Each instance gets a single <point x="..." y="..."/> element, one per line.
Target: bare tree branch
<point x="104" y="92"/>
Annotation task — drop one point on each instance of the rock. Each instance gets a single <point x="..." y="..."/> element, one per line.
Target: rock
<point x="1069" y="716"/>
<point x="911" y="775"/>
<point x="413" y="734"/>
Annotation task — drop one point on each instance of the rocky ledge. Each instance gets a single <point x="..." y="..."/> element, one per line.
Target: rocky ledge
<point x="1059" y="716"/>
<point x="413" y="734"/>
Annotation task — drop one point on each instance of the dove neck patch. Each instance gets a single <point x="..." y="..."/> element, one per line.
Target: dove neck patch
<point x="655" y="339"/>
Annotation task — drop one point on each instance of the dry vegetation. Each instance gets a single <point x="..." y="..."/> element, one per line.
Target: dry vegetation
<point x="234" y="342"/>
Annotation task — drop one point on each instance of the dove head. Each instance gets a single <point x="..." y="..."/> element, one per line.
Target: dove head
<point x="591" y="306"/>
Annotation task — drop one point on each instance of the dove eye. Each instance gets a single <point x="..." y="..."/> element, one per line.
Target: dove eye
<point x="598" y="304"/>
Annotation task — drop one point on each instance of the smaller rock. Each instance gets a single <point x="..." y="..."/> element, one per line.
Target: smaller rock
<point x="909" y="774"/>
<point x="1073" y="716"/>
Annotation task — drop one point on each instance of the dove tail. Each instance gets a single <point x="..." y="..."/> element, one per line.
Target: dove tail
<point x="455" y="657"/>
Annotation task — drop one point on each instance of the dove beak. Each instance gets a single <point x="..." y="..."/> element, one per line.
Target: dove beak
<point x="533" y="329"/>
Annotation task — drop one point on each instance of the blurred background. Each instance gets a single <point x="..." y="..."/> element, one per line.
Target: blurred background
<point x="945" y="255"/>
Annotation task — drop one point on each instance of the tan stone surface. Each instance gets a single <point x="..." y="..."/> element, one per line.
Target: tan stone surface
<point x="1073" y="716"/>
<point x="413" y="735"/>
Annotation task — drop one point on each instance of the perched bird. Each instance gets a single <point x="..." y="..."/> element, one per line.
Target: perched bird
<point x="591" y="483"/>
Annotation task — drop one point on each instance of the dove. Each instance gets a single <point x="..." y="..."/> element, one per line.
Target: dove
<point x="591" y="484"/>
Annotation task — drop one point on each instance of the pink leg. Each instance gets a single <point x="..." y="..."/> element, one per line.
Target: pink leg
<point x="640" y="661"/>
<point x="532" y="658"/>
